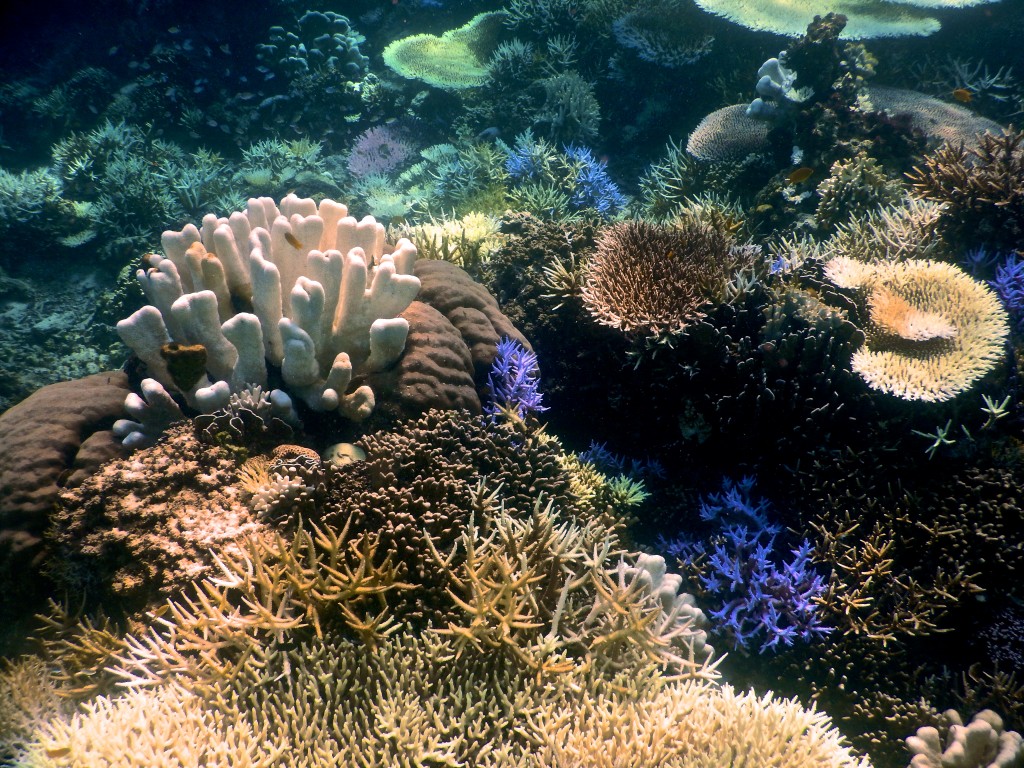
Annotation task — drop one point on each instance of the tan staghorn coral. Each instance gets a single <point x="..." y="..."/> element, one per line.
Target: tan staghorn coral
<point x="932" y="330"/>
<point x="653" y="280"/>
<point x="981" y="188"/>
<point x="415" y="702"/>
<point x="689" y="726"/>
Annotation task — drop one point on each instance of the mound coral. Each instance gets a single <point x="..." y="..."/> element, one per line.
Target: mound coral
<point x="982" y="188"/>
<point x="142" y="527"/>
<point x="324" y="297"/>
<point x="727" y="134"/>
<point x="452" y="61"/>
<point x="654" y="280"/>
<point x="932" y="331"/>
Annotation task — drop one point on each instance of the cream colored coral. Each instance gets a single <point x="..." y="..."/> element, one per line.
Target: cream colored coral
<point x="168" y="727"/>
<point x="415" y="702"/>
<point x="981" y="744"/>
<point x="933" y="330"/>
<point x="691" y="725"/>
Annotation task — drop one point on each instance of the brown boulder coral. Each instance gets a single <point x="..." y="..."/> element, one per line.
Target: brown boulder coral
<point x="55" y="437"/>
<point x="470" y="308"/>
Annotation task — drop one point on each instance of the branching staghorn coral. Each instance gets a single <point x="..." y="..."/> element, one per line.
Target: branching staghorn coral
<point x="548" y="592"/>
<point x="324" y="297"/>
<point x="320" y="581"/>
<point x="655" y="281"/>
<point x="415" y="701"/>
<point x="982" y="188"/>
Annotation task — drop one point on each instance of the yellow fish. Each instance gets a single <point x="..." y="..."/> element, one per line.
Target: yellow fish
<point x="293" y="241"/>
<point x="800" y="175"/>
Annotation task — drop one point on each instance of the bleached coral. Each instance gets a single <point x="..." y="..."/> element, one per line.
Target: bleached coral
<point x="982" y="743"/>
<point x="324" y="297"/>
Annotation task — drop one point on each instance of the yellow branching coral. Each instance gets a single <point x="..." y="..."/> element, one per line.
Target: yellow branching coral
<point x="932" y="331"/>
<point x="467" y="242"/>
<point x="552" y="593"/>
<point x="416" y="701"/>
<point x="451" y="61"/>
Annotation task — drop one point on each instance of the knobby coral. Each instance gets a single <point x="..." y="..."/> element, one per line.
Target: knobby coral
<point x="324" y="299"/>
<point x="932" y="330"/>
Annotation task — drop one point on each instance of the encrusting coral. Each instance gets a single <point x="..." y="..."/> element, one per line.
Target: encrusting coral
<point x="932" y="330"/>
<point x="324" y="299"/>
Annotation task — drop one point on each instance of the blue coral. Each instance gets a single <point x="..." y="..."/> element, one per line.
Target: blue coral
<point x="592" y="186"/>
<point x="761" y="599"/>
<point x="513" y="382"/>
<point x="1009" y="284"/>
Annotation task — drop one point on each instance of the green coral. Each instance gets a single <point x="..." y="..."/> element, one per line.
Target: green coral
<point x="451" y="61"/>
<point x="275" y="168"/>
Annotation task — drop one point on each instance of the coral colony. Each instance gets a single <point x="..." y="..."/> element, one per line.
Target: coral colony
<point x="520" y="384"/>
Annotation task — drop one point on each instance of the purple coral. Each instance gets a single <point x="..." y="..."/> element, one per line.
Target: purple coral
<point x="762" y="599"/>
<point x="378" y="150"/>
<point x="513" y="381"/>
<point x="1009" y="284"/>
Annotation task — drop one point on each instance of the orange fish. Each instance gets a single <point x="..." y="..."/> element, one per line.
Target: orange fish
<point x="800" y="175"/>
<point x="293" y="241"/>
<point x="963" y="95"/>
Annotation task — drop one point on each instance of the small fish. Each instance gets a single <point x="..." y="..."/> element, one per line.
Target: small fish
<point x="800" y="175"/>
<point x="293" y="241"/>
<point x="763" y="208"/>
<point x="963" y="95"/>
<point x="58" y="751"/>
<point x="226" y="48"/>
<point x="173" y="30"/>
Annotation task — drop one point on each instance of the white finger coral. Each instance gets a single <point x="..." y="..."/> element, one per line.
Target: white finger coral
<point x="319" y="299"/>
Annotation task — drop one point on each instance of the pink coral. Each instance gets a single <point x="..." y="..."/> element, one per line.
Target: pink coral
<point x="378" y="150"/>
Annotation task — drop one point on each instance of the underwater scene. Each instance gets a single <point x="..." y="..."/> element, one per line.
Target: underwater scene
<point x="512" y="384"/>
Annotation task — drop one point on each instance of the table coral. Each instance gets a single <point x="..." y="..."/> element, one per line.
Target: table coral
<point x="932" y="332"/>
